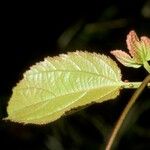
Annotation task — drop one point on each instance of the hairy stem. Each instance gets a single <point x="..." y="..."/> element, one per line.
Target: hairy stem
<point x="125" y="112"/>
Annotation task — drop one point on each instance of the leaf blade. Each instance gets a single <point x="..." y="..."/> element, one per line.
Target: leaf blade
<point x="57" y="85"/>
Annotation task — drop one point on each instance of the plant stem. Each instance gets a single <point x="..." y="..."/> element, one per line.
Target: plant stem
<point x="125" y="112"/>
<point x="147" y="66"/>
<point x="132" y="85"/>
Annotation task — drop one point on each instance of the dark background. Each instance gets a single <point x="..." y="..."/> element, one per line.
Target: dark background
<point x="32" y="31"/>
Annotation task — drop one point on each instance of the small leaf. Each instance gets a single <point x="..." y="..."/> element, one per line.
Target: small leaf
<point x="55" y="86"/>
<point x="124" y="58"/>
<point x="138" y="49"/>
<point x="145" y="44"/>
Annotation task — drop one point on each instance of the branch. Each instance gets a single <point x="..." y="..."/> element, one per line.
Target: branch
<point x="125" y="112"/>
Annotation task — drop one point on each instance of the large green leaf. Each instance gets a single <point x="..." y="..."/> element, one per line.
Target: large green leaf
<point x="58" y="84"/>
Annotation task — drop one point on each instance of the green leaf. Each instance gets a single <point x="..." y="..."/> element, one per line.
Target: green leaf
<point x="58" y="84"/>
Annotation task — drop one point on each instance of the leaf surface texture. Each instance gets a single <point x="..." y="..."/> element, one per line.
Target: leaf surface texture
<point x="58" y="84"/>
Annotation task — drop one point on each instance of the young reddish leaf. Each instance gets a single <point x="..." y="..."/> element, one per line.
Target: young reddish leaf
<point x="132" y="44"/>
<point x="124" y="58"/>
<point x="145" y="44"/>
<point x="138" y="49"/>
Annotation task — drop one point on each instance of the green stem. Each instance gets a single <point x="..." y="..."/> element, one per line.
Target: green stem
<point x="132" y="85"/>
<point x="125" y="111"/>
<point x="146" y="66"/>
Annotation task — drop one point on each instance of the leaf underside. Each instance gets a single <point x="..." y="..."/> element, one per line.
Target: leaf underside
<point x="58" y="84"/>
